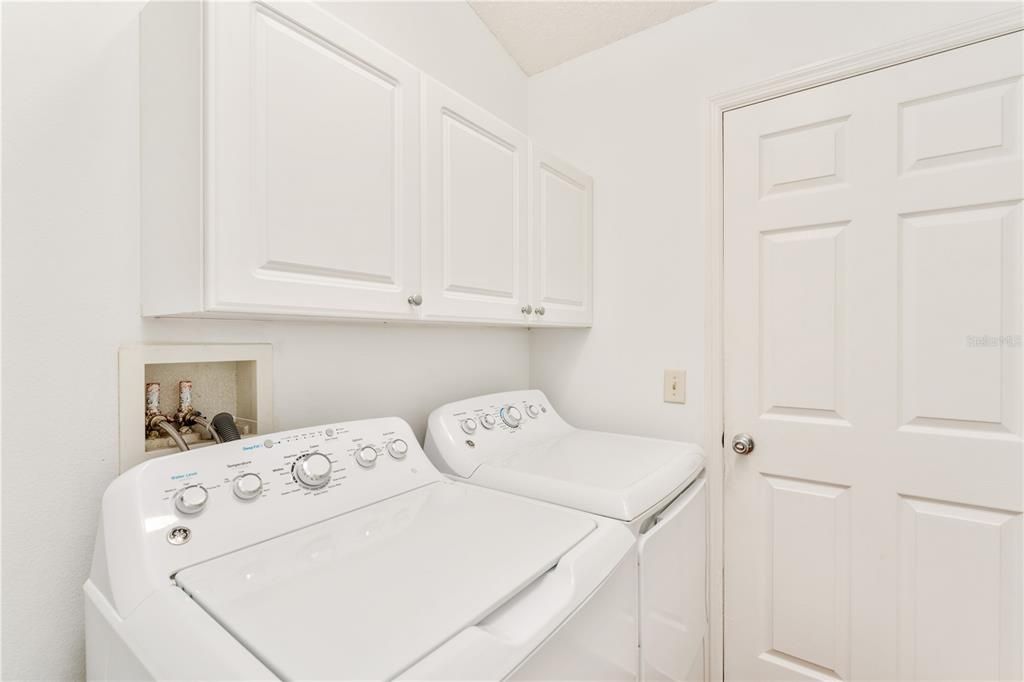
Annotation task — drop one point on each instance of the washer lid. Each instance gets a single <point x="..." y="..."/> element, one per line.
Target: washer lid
<point x="603" y="473"/>
<point x="367" y="594"/>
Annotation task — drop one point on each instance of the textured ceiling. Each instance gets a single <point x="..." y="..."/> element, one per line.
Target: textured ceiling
<point x="541" y="34"/>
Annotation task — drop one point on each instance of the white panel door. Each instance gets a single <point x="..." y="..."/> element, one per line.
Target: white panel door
<point x="873" y="305"/>
<point x="475" y="201"/>
<point x="314" y="135"/>
<point x="561" y="256"/>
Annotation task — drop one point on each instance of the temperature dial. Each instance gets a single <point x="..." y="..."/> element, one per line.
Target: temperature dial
<point x="533" y="411"/>
<point x="247" y="486"/>
<point x="488" y="421"/>
<point x="468" y="426"/>
<point x="398" y="448"/>
<point x="511" y="415"/>
<point x="367" y="456"/>
<point x="191" y="500"/>
<point x="313" y="470"/>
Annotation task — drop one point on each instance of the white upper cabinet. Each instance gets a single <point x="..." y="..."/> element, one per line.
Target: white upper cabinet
<point x="309" y="171"/>
<point x="293" y="167"/>
<point x="475" y="211"/>
<point x="561" y="258"/>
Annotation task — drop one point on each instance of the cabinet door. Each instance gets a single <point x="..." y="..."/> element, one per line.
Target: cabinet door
<point x="312" y="202"/>
<point x="561" y="260"/>
<point x="475" y="199"/>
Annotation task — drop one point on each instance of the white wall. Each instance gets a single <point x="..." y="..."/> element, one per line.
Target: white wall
<point x="71" y="295"/>
<point x="631" y="114"/>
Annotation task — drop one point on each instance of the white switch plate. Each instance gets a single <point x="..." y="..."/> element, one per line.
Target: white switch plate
<point x="675" y="386"/>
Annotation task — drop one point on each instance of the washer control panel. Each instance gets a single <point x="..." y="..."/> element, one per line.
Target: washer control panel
<point x="464" y="434"/>
<point x="205" y="502"/>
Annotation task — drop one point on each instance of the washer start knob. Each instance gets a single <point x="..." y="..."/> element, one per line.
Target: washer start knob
<point x="313" y="470"/>
<point x="247" y="486"/>
<point x="398" y="448"/>
<point x="367" y="456"/>
<point x="191" y="500"/>
<point x="511" y="415"/>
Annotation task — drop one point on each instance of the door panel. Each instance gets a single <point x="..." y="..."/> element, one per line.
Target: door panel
<point x="673" y="582"/>
<point x="475" y="211"/>
<point x="562" y="258"/>
<point x="315" y="165"/>
<point x="873" y="306"/>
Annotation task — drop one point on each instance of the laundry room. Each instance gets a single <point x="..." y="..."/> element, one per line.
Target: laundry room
<point x="539" y="340"/>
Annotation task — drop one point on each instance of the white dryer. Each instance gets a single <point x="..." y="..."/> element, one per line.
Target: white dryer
<point x="517" y="443"/>
<point x="340" y="552"/>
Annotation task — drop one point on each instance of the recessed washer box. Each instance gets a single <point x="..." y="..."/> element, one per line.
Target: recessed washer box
<point x="233" y="378"/>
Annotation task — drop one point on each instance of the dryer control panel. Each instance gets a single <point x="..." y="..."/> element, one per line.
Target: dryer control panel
<point x="188" y="507"/>
<point x="464" y="434"/>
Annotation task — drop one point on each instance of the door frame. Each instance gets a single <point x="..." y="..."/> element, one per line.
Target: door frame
<point x="909" y="49"/>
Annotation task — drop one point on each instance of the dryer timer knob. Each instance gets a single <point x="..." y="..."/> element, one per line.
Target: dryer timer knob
<point x="511" y="415"/>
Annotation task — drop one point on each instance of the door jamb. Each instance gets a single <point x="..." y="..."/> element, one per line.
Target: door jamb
<point x="916" y="47"/>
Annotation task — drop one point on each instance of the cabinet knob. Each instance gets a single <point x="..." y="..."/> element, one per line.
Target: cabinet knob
<point x="526" y="309"/>
<point x="415" y="299"/>
<point x="540" y="310"/>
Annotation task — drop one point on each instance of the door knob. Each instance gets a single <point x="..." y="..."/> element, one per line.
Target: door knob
<point x="742" y="444"/>
<point x="415" y="299"/>
<point x="526" y="309"/>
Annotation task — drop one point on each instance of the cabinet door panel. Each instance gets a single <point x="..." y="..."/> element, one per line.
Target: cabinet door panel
<point x="561" y="258"/>
<point x="475" y="211"/>
<point x="314" y="162"/>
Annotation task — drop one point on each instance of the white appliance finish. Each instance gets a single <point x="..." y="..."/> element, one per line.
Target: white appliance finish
<point x="516" y="442"/>
<point x="284" y="174"/>
<point x="340" y="552"/>
<point x="872" y="228"/>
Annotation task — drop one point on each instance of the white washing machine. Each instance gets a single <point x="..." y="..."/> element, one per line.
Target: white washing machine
<point x="516" y="442"/>
<point x="339" y="552"/>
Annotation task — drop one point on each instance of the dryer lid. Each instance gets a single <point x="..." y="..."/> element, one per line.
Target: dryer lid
<point x="367" y="594"/>
<point x="603" y="473"/>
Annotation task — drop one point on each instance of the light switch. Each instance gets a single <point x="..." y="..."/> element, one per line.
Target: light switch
<point x="675" y="385"/>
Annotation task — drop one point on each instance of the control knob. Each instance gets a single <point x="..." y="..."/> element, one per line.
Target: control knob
<point x="398" y="448"/>
<point x="366" y="457"/>
<point x="247" y="486"/>
<point x="468" y="426"/>
<point x="488" y="421"/>
<point x="533" y="411"/>
<point x="191" y="500"/>
<point x="313" y="470"/>
<point x="511" y="415"/>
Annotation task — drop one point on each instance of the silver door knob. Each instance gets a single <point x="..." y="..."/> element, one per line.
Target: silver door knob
<point x="742" y="444"/>
<point x="415" y="299"/>
<point x="540" y="310"/>
<point x="526" y="309"/>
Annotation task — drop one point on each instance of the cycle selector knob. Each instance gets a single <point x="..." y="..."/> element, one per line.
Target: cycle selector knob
<point x="313" y="470"/>
<point x="488" y="421"/>
<point x="533" y="411"/>
<point x="398" y="448"/>
<point x="191" y="500"/>
<point x="366" y="457"/>
<point x="511" y="415"/>
<point x="247" y="486"/>
<point x="468" y="426"/>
